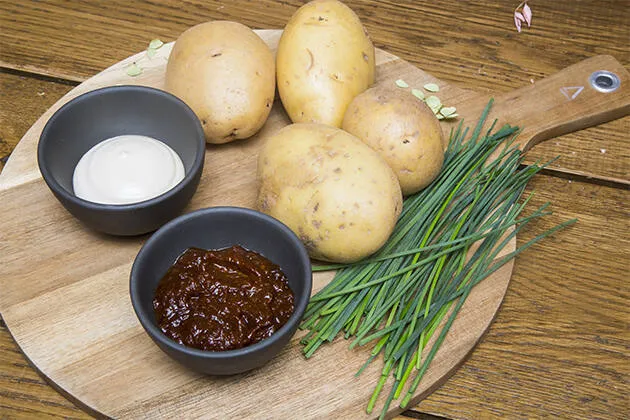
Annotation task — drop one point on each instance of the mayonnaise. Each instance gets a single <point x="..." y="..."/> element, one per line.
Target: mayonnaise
<point x="127" y="169"/>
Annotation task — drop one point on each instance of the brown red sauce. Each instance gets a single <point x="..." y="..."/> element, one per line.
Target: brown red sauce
<point x="222" y="299"/>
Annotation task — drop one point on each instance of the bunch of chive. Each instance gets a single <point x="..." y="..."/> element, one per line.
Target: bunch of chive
<point x="448" y="238"/>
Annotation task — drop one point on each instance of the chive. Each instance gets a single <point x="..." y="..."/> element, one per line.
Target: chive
<point x="447" y="239"/>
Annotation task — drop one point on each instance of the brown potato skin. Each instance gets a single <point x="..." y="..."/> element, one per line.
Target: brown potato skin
<point x="325" y="58"/>
<point x="403" y="130"/>
<point x="226" y="74"/>
<point x="337" y="194"/>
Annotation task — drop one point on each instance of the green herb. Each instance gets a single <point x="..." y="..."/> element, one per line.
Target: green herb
<point x="413" y="288"/>
<point x="401" y="83"/>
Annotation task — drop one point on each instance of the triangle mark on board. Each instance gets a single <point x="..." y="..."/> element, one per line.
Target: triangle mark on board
<point x="571" y="92"/>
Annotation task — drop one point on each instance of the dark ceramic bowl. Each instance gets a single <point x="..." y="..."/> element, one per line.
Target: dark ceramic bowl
<point x="216" y="228"/>
<point x="100" y="114"/>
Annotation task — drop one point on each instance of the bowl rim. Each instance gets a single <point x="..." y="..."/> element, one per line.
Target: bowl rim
<point x="172" y="225"/>
<point x="190" y="176"/>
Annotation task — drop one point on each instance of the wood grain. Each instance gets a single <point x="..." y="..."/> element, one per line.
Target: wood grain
<point x="105" y="363"/>
<point x="421" y="33"/>
<point x="23" y="393"/>
<point x="472" y="44"/>
<point x="24" y="100"/>
<point x="58" y="295"/>
<point x="560" y="345"/>
<point x="547" y="110"/>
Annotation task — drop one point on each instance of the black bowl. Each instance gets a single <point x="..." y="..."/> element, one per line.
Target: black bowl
<point x="103" y="113"/>
<point x="216" y="228"/>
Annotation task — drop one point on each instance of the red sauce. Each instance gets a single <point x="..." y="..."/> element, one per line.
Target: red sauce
<point x="222" y="299"/>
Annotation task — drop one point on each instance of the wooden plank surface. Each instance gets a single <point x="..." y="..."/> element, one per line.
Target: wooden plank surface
<point x="25" y="394"/>
<point x="106" y="363"/>
<point x="560" y="345"/>
<point x="471" y="43"/>
<point x="24" y="99"/>
<point x="75" y="38"/>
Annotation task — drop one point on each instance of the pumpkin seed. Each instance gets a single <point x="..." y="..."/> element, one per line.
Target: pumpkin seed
<point x="155" y="44"/>
<point x="401" y="83"/>
<point x="448" y="110"/>
<point x="434" y="103"/>
<point x="418" y="94"/>
<point x="432" y="87"/>
<point x="134" y="70"/>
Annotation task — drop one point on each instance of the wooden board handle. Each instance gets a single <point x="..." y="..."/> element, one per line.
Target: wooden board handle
<point x="575" y="98"/>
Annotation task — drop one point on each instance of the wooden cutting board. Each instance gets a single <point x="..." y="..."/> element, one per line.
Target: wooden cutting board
<point x="64" y="289"/>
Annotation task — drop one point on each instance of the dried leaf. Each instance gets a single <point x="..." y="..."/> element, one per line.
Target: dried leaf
<point x="432" y="87"/>
<point x="155" y="44"/>
<point x="434" y="103"/>
<point x="448" y="111"/>
<point x="527" y="15"/>
<point x="418" y="94"/>
<point x="401" y="83"/>
<point x="134" y="70"/>
<point x="518" y="19"/>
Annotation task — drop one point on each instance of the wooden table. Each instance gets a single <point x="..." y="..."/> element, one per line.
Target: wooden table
<point x="560" y="344"/>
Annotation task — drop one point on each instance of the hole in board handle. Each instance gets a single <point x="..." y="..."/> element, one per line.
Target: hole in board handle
<point x="604" y="81"/>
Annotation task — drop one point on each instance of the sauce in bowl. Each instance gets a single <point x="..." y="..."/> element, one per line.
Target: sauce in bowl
<point x="222" y="299"/>
<point x="127" y="169"/>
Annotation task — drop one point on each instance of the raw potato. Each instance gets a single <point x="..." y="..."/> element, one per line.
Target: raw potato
<point x="403" y="130"/>
<point x="226" y="74"/>
<point x="325" y="58"/>
<point x="338" y="195"/>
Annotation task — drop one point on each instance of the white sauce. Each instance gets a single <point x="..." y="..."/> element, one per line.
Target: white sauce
<point x="127" y="169"/>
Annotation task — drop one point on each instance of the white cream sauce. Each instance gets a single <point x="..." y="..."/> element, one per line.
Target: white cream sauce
<point x="127" y="169"/>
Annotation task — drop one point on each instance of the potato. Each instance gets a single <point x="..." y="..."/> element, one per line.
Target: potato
<point x="325" y="58"/>
<point x="403" y="130"/>
<point x="226" y="74"/>
<point x="338" y="195"/>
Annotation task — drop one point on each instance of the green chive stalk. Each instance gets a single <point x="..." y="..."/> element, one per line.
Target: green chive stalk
<point x="448" y="239"/>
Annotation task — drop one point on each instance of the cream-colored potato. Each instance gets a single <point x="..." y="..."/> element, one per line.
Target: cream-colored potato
<point x="403" y="130"/>
<point x="226" y="74"/>
<point x="325" y="58"/>
<point x="338" y="195"/>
